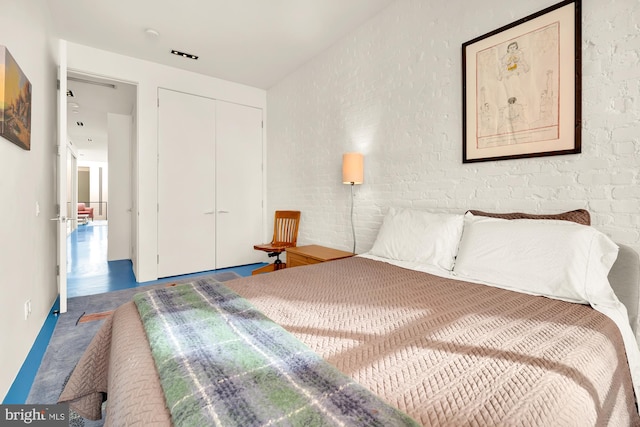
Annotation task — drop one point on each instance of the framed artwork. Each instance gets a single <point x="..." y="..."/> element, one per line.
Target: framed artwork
<point x="522" y="87"/>
<point x="15" y="102"/>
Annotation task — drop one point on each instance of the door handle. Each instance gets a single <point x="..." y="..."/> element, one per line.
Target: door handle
<point x="223" y="211"/>
<point x="210" y="212"/>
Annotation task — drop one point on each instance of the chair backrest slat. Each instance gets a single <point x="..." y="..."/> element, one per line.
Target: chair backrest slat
<point x="285" y="228"/>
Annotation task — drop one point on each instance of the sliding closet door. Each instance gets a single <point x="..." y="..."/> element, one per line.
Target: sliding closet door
<point x="238" y="184"/>
<point x="186" y="183"/>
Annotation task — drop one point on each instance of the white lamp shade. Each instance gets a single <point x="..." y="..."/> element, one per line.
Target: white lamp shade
<point x="352" y="168"/>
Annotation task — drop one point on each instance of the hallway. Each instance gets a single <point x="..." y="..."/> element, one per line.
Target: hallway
<point x="89" y="272"/>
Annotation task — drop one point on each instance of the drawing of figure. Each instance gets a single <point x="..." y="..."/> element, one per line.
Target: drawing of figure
<point x="512" y="117"/>
<point x="513" y="62"/>
<point x="486" y="119"/>
<point x="486" y="113"/>
<point x="546" y="99"/>
<point x="546" y="104"/>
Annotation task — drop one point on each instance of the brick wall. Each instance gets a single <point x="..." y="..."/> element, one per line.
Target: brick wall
<point x="392" y="90"/>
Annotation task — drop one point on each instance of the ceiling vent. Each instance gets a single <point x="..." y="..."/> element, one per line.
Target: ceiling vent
<point x="183" y="54"/>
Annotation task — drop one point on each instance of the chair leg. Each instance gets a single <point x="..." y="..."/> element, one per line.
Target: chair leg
<point x="277" y="265"/>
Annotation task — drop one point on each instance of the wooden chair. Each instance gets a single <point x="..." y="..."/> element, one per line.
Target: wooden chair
<point x="285" y="235"/>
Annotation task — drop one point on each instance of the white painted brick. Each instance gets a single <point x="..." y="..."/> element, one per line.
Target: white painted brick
<point x="627" y="221"/>
<point x="518" y="206"/>
<point x="624" y="178"/>
<point x="627" y="236"/>
<point x="627" y="133"/>
<point x="558" y="205"/>
<point x="597" y="193"/>
<point x="508" y="181"/>
<point x="555" y="180"/>
<point x="392" y="90"/>
<point x="625" y="148"/>
<point x="594" y="178"/>
<point x="493" y="193"/>
<point x="625" y="206"/>
<point x="626" y="193"/>
<point x="570" y="193"/>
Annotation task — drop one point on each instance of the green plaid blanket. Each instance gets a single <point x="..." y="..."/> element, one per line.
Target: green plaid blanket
<point x="222" y="362"/>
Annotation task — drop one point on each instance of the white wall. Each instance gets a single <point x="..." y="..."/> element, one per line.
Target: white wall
<point x="97" y="200"/>
<point x="28" y="251"/>
<point x="392" y="90"/>
<point x="149" y="77"/>
<point x="120" y="206"/>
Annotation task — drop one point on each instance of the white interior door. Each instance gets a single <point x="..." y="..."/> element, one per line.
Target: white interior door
<point x="62" y="180"/>
<point x="238" y="184"/>
<point x="186" y="183"/>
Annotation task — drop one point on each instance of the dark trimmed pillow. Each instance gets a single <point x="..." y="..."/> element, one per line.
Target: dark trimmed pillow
<point x="580" y="216"/>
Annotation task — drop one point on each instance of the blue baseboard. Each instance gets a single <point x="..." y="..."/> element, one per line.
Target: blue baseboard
<point x="21" y="386"/>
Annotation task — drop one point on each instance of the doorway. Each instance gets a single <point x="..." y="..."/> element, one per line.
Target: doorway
<point x="101" y="117"/>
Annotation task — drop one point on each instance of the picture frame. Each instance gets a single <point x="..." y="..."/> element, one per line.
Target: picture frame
<point x="15" y="102"/>
<point x="522" y="87"/>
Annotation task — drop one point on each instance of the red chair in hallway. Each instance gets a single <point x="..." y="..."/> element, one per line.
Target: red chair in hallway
<point x="84" y="210"/>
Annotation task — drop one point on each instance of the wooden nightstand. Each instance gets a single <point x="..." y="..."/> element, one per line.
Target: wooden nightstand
<point x="313" y="254"/>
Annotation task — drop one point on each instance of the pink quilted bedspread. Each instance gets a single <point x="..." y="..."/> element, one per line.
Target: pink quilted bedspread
<point x="447" y="353"/>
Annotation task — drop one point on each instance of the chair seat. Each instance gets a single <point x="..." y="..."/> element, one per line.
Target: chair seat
<point x="273" y="247"/>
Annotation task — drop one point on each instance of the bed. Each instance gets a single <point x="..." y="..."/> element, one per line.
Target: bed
<point x="449" y="320"/>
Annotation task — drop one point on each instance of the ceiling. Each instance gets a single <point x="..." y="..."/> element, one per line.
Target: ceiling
<point x="252" y="42"/>
<point x="87" y="112"/>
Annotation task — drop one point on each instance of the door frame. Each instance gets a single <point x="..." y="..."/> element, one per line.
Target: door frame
<point x="61" y="180"/>
<point x="61" y="184"/>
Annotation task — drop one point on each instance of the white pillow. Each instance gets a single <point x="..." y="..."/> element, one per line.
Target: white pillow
<point x="557" y="259"/>
<point x="419" y="236"/>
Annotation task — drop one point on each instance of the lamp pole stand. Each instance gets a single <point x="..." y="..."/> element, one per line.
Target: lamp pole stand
<point x="352" y="173"/>
<point x="353" y="230"/>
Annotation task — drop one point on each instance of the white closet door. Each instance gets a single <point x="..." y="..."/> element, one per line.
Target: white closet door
<point x="238" y="184"/>
<point x="186" y="183"/>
